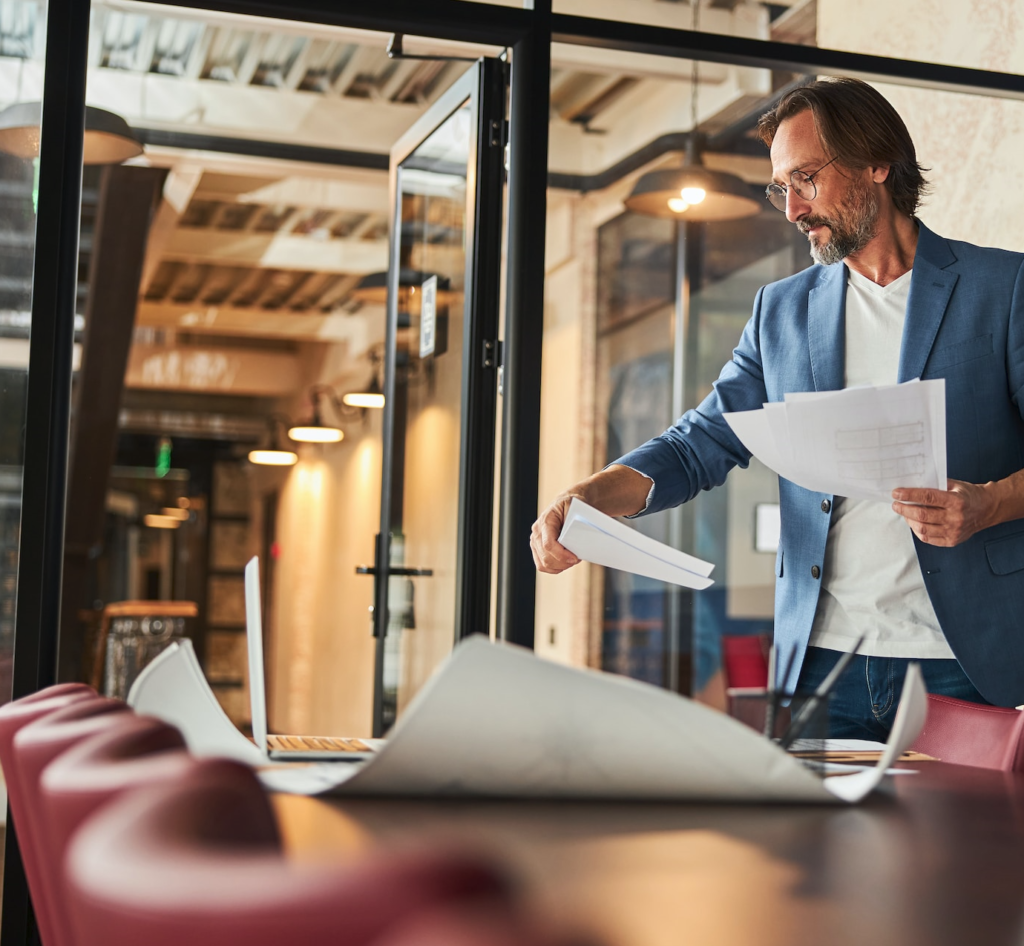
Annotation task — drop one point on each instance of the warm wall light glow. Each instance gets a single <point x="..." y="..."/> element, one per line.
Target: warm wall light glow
<point x="173" y="512"/>
<point x="677" y="204"/>
<point x="364" y="399"/>
<point x="316" y="434"/>
<point x="273" y="457"/>
<point x="161" y="522"/>
<point x="693" y="195"/>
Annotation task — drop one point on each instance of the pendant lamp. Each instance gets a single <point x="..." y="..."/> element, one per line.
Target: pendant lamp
<point x="693" y="192"/>
<point x="108" y="138"/>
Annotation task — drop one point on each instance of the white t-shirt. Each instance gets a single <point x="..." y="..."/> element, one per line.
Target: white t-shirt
<point x="871" y="581"/>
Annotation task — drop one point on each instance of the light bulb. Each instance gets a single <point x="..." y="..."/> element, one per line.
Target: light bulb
<point x="693" y="195"/>
<point x="677" y="204"/>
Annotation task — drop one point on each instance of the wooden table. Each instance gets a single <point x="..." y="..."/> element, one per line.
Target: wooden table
<point x="940" y="860"/>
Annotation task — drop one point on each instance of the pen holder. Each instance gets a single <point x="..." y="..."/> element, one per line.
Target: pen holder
<point x="757" y="708"/>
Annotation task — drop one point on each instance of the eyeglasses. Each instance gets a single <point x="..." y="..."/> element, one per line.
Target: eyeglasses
<point x="800" y="181"/>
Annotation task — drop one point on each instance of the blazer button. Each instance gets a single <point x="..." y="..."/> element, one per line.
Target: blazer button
<point x="815" y="571"/>
<point x="826" y="506"/>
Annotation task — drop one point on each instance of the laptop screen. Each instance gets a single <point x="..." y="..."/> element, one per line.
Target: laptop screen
<point x="254" y="642"/>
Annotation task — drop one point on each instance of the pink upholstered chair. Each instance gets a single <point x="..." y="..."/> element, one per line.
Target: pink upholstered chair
<point x="141" y="751"/>
<point x="34" y="747"/>
<point x="13" y="717"/>
<point x="989" y="737"/>
<point x="198" y="862"/>
<point x="136" y="751"/>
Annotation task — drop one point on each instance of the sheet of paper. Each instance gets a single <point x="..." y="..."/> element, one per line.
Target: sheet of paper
<point x="860" y="442"/>
<point x="499" y="721"/>
<point x="600" y="539"/>
<point x="172" y="687"/>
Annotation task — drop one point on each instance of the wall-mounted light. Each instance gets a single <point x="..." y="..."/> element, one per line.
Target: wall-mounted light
<point x="316" y="431"/>
<point x="372" y="397"/>
<point x="158" y="521"/>
<point x="108" y="137"/>
<point x="274" y="455"/>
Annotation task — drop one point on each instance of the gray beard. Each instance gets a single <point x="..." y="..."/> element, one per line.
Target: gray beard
<point x="845" y="240"/>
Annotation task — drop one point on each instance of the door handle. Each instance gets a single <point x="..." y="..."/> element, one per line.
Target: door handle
<point x="406" y="572"/>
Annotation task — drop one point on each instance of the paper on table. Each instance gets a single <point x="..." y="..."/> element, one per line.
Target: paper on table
<point x="499" y="721"/>
<point x="172" y="687"/>
<point x="861" y="442"/>
<point x="600" y="539"/>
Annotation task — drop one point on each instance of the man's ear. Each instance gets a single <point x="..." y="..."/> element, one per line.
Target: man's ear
<point x="880" y="173"/>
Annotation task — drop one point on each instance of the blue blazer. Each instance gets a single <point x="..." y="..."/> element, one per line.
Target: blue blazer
<point x="964" y="323"/>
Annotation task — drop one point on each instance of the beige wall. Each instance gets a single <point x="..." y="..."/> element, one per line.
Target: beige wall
<point x="320" y="664"/>
<point x="972" y="143"/>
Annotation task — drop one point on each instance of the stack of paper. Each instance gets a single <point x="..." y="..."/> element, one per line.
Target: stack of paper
<point x="595" y="537"/>
<point x="860" y="442"/>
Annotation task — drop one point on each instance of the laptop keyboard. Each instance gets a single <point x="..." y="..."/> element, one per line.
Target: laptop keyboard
<point x="316" y="744"/>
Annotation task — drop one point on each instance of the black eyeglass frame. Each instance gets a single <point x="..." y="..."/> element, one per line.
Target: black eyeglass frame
<point x="781" y="190"/>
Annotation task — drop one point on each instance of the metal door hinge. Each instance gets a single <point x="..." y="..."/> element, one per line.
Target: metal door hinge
<point x="492" y="353"/>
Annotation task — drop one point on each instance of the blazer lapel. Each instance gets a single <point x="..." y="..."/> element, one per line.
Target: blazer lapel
<point x="826" y="335"/>
<point x="931" y="287"/>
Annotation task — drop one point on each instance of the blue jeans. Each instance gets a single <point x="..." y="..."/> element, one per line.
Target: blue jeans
<point x="864" y="701"/>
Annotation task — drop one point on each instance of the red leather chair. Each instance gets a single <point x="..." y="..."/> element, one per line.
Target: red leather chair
<point x="35" y="746"/>
<point x="989" y="737"/>
<point x="13" y="717"/>
<point x="199" y="862"/>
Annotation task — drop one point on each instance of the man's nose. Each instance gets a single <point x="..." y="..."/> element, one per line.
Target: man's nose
<point x="796" y="206"/>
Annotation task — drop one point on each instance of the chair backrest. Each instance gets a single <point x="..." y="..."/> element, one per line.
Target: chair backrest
<point x="21" y="712"/>
<point x="13" y="717"/>
<point x="745" y="660"/>
<point x="34" y="747"/>
<point x="199" y="862"/>
<point x="140" y="751"/>
<point x="990" y="737"/>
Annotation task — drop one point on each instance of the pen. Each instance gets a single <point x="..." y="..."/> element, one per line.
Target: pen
<point x="769" y="710"/>
<point x="807" y="711"/>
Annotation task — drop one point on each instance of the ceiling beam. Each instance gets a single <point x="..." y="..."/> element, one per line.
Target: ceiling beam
<point x="260" y="323"/>
<point x="276" y="251"/>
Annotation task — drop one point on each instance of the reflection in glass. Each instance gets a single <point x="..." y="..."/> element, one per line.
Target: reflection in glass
<point x="428" y="409"/>
<point x="22" y="49"/>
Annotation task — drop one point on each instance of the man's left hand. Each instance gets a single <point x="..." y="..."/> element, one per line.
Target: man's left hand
<point x="946" y="518"/>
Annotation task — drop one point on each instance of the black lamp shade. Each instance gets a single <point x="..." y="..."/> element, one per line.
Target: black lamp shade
<point x="108" y="138"/>
<point x="726" y="196"/>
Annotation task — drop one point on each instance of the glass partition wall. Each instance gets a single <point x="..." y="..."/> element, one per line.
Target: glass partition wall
<point x="22" y="60"/>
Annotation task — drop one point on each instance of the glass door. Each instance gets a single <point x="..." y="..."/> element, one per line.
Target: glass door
<point x="433" y="553"/>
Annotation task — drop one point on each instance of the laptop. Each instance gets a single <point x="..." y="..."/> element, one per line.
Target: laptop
<point x="281" y="747"/>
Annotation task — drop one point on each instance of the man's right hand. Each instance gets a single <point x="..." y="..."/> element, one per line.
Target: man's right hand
<point x="548" y="555"/>
<point x="616" y="491"/>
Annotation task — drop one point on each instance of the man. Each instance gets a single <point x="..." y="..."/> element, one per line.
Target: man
<point x="937" y="577"/>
